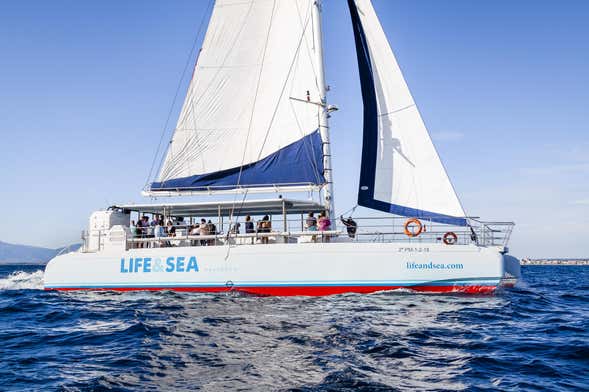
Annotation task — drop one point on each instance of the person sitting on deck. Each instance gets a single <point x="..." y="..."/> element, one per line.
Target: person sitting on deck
<point x="351" y="226"/>
<point x="324" y="224"/>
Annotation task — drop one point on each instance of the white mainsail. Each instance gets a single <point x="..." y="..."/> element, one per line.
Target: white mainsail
<point x="251" y="110"/>
<point x="401" y="170"/>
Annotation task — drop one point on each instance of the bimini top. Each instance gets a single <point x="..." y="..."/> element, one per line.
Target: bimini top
<point x="225" y="208"/>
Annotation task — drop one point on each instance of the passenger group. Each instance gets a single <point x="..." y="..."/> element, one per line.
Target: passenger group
<point x="155" y="228"/>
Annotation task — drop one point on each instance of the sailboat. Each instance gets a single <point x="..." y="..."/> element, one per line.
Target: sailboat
<point x="255" y="120"/>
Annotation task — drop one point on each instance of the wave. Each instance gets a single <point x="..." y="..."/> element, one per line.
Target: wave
<point x="21" y="280"/>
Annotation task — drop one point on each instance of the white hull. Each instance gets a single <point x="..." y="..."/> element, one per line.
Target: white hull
<point x="284" y="269"/>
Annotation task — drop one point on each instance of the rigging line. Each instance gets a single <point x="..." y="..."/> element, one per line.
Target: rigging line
<point x="251" y="119"/>
<point x="309" y="154"/>
<point x="397" y="110"/>
<point x="186" y="65"/>
<point x="282" y="93"/>
<point x="191" y="104"/>
<point x="231" y="215"/>
<point x="350" y="211"/>
<point x="304" y="27"/>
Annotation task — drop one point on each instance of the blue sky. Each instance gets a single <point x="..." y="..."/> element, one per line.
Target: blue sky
<point x="503" y="86"/>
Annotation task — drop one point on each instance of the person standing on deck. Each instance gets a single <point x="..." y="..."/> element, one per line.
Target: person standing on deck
<point x="133" y="230"/>
<point x="154" y="221"/>
<point x="170" y="232"/>
<point x="203" y="230"/>
<point x="194" y="231"/>
<point x="249" y="226"/>
<point x="324" y="224"/>
<point x="265" y="227"/>
<point x="351" y="226"/>
<point x="311" y="225"/>
<point x="158" y="232"/>
<point x="212" y="231"/>
<point x="311" y="222"/>
<point x="148" y="231"/>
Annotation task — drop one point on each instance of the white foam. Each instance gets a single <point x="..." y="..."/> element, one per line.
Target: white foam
<point x="21" y="280"/>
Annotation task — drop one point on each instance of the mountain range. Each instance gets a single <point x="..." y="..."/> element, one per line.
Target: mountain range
<point x="25" y="254"/>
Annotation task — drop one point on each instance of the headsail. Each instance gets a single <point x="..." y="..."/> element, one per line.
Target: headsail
<point x="250" y="118"/>
<point x="401" y="171"/>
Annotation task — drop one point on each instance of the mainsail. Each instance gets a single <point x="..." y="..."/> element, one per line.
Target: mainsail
<point x="250" y="118"/>
<point x="401" y="171"/>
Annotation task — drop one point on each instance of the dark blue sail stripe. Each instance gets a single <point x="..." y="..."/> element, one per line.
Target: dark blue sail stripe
<point x="300" y="163"/>
<point x="370" y="137"/>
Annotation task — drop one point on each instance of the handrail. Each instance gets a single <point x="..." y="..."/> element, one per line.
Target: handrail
<point x="249" y="235"/>
<point x="369" y="229"/>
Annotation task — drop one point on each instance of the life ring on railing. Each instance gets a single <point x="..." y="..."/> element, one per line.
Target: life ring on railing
<point x="450" y="238"/>
<point x="413" y="222"/>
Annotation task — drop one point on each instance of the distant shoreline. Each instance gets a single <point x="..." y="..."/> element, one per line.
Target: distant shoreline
<point x="526" y="261"/>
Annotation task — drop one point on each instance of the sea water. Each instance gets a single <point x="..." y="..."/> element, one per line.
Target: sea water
<point x="533" y="337"/>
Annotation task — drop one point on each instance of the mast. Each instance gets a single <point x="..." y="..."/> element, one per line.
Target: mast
<point x="323" y="115"/>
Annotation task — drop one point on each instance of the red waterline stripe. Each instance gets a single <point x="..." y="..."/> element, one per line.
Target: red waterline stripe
<point x="286" y="291"/>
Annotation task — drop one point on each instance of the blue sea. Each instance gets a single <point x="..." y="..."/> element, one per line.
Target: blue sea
<point x="534" y="337"/>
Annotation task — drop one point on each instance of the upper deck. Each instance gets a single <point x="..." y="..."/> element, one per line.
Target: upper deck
<point x="288" y="225"/>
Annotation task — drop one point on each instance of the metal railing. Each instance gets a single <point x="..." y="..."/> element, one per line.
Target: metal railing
<point x="375" y="229"/>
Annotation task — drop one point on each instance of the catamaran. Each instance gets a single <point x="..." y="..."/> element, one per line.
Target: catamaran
<point x="255" y="120"/>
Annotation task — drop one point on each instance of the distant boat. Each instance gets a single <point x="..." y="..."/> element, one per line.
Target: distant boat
<point x="254" y="121"/>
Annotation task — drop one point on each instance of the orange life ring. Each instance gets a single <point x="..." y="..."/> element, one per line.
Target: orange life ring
<point x="411" y="233"/>
<point x="450" y="238"/>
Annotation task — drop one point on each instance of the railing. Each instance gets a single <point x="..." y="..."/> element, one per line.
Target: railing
<point x="376" y="229"/>
<point x="233" y="239"/>
<point x="493" y="233"/>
